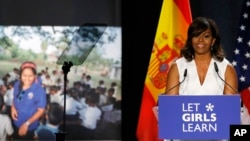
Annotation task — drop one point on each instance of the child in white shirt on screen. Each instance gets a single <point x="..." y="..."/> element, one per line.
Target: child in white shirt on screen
<point x="91" y="114"/>
<point x="6" y="126"/>
<point x="56" y="95"/>
<point x="73" y="105"/>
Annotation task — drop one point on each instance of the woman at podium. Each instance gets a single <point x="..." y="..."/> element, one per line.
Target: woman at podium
<point x="202" y="68"/>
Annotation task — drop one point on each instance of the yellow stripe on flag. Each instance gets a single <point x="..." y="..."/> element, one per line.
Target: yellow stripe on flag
<point x="170" y="37"/>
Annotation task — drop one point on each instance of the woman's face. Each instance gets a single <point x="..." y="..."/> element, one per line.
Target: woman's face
<point x="28" y="76"/>
<point x="203" y="42"/>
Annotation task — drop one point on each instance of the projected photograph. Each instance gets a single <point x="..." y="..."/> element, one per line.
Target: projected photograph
<point x="79" y="69"/>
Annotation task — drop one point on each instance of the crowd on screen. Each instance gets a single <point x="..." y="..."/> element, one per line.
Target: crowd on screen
<point x="91" y="111"/>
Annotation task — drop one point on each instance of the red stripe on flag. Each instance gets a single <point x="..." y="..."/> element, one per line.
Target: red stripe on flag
<point x="147" y="132"/>
<point x="155" y="69"/>
<point x="245" y="96"/>
<point x="169" y="25"/>
<point x="185" y="10"/>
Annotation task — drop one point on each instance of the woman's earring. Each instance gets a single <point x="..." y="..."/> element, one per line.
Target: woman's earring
<point x="212" y="48"/>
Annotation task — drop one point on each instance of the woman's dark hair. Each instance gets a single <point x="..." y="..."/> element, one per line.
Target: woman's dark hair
<point x="198" y="26"/>
<point x="55" y="113"/>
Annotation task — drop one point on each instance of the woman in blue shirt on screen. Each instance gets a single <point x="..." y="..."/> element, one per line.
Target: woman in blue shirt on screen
<point x="203" y="63"/>
<point x="29" y="102"/>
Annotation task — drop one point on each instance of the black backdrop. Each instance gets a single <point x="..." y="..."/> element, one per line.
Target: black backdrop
<point x="138" y="18"/>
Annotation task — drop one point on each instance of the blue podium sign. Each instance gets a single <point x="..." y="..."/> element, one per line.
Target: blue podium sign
<point x="197" y="117"/>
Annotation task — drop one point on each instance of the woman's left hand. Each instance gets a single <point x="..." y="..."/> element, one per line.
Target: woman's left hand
<point x="23" y="130"/>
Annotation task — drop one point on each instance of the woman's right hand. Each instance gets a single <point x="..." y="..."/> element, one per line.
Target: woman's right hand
<point x="14" y="113"/>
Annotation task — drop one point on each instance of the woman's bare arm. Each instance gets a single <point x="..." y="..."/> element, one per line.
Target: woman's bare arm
<point x="232" y="80"/>
<point x="172" y="80"/>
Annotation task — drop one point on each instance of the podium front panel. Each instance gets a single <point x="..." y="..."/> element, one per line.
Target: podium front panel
<point x="197" y="117"/>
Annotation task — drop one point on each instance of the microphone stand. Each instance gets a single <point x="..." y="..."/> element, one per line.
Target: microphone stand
<point x="83" y="54"/>
<point x="66" y="68"/>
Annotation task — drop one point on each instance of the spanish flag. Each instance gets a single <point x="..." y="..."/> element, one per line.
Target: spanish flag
<point x="170" y="37"/>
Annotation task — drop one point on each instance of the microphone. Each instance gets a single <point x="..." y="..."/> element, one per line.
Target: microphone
<point x="185" y="74"/>
<point x="217" y="71"/>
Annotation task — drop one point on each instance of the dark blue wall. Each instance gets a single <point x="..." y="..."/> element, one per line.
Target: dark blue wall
<point x="226" y="14"/>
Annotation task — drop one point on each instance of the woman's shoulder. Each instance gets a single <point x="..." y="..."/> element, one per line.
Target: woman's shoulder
<point x="229" y="66"/>
<point x="225" y="65"/>
<point x="181" y="62"/>
<point x="16" y="83"/>
<point x="225" y="62"/>
<point x="179" y="59"/>
<point x="37" y="87"/>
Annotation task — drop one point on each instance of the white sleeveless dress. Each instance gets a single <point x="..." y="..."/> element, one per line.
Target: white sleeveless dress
<point x="212" y="84"/>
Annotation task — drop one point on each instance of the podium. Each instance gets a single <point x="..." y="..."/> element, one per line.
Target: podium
<point x="197" y="117"/>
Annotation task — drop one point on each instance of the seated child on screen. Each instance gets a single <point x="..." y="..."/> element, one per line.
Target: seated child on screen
<point x="54" y="118"/>
<point x="6" y="129"/>
<point x="90" y="116"/>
